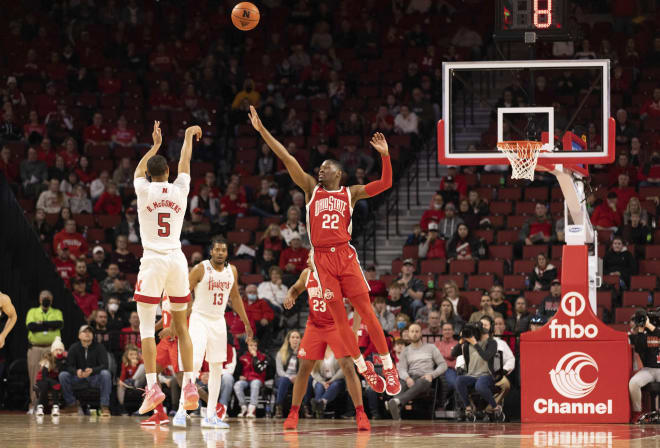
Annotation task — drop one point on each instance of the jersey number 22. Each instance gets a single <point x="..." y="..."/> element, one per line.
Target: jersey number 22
<point x="330" y="222"/>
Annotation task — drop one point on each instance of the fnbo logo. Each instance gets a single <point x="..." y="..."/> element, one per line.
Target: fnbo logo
<point x="573" y="305"/>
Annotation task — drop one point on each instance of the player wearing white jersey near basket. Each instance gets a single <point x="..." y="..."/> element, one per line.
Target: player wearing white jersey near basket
<point x="163" y="266"/>
<point x="214" y="282"/>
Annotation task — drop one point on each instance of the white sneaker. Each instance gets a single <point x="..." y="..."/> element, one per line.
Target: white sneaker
<point x="214" y="422"/>
<point x="55" y="411"/>
<point x="30" y="411"/>
<point x="243" y="411"/>
<point x="40" y="410"/>
<point x="179" y="419"/>
<point x="251" y="413"/>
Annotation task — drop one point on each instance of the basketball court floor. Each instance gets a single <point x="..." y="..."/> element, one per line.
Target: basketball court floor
<point x="75" y="431"/>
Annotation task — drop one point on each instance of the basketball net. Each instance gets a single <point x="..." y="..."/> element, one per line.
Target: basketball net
<point x="523" y="155"/>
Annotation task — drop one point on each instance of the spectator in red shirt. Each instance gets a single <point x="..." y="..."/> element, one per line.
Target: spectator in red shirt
<point x="210" y="181"/>
<point x="85" y="172"/>
<point x="293" y="259"/>
<point x="383" y="121"/>
<point x="458" y="180"/>
<point x="163" y="99"/>
<point x="47" y="102"/>
<point x="434" y="213"/>
<point x="87" y="302"/>
<point x="108" y="84"/>
<point x="234" y="202"/>
<point x="70" y="238"/>
<point x="110" y="202"/>
<point x="122" y="257"/>
<point x="56" y="70"/>
<point x="538" y="229"/>
<point x="258" y="311"/>
<point x="607" y="215"/>
<point x="652" y="106"/>
<point x="91" y="284"/>
<point x="8" y="167"/>
<point x="651" y="172"/>
<point x="132" y="372"/>
<point x="63" y="264"/>
<point x="131" y="335"/>
<point x="96" y="133"/>
<point x="623" y="191"/>
<point x="377" y="286"/>
<point x="622" y="166"/>
<point x="160" y="61"/>
<point x="323" y="126"/>
<point x="251" y="377"/>
<point x="45" y="153"/>
<point x="33" y="125"/>
<point x="122" y="135"/>
<point x="433" y="246"/>
<point x="70" y="153"/>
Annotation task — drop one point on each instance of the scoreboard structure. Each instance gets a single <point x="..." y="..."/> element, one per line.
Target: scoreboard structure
<point x="527" y="20"/>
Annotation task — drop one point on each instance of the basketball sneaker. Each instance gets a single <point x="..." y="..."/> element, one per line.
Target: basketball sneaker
<point x="362" y="420"/>
<point x="55" y="411"/>
<point x="190" y="397"/>
<point x="159" y="417"/>
<point x="221" y="411"/>
<point x="180" y="418"/>
<point x="393" y="386"/>
<point x="153" y="396"/>
<point x="40" y="410"/>
<point x="291" y="421"/>
<point x="375" y="381"/>
<point x="214" y="422"/>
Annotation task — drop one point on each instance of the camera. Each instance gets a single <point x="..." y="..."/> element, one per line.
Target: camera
<point x="471" y="331"/>
<point x="639" y="318"/>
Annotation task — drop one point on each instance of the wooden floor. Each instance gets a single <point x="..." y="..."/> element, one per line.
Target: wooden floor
<point x="74" y="432"/>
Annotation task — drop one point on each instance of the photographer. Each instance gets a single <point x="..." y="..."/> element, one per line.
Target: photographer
<point x="478" y="349"/>
<point x="645" y="338"/>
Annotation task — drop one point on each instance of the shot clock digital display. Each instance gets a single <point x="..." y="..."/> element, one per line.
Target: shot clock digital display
<point x="547" y="18"/>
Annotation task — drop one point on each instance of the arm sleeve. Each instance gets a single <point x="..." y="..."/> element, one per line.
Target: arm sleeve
<point x="489" y="353"/>
<point x="141" y="185"/>
<point x="182" y="182"/>
<point x="456" y="351"/>
<point x="278" y="366"/>
<point x="385" y="181"/>
<point x="509" y="359"/>
<point x="441" y="365"/>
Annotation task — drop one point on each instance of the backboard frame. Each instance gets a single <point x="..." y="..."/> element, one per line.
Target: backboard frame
<point x="445" y="157"/>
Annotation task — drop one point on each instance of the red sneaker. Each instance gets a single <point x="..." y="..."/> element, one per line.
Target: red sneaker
<point x="392" y="380"/>
<point x="221" y="411"/>
<point x="376" y="382"/>
<point x="362" y="421"/>
<point x="291" y="421"/>
<point x="152" y="398"/>
<point x="190" y="397"/>
<point x="159" y="417"/>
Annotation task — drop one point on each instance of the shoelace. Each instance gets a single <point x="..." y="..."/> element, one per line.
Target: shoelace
<point x="389" y="377"/>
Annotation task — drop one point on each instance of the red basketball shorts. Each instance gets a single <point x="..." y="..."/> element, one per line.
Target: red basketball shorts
<point x="316" y="339"/>
<point x="338" y="272"/>
<point x="167" y="354"/>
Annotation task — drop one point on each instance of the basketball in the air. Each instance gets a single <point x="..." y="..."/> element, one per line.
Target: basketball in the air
<point x="245" y="16"/>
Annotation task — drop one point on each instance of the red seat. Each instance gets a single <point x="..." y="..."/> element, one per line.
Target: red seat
<point x="52" y="218"/>
<point x="536" y="194"/>
<point x="136" y="249"/>
<point x="645" y="282"/>
<point x="514" y="283"/>
<point x="461" y="266"/>
<point x="249" y="279"/>
<point x="635" y="298"/>
<point x="473" y="298"/>
<point x="656" y="299"/>
<point x="388" y="279"/>
<point x="247" y="223"/>
<point x="265" y="222"/>
<point x="612" y="280"/>
<point x="535" y="297"/>
<point x="491" y="180"/>
<point x="525" y="208"/>
<point x="435" y="266"/>
<point x="509" y="194"/>
<point x="27" y="205"/>
<point x="557" y="251"/>
<point x="530" y="252"/>
<point x="487" y="235"/>
<point x="507" y="236"/>
<point x="396" y="266"/>
<point x="410" y="252"/>
<point x="132" y="279"/>
<point x="497" y="221"/>
<point x="108" y="221"/>
<point x="653" y="252"/>
<point x="84" y="220"/>
<point x="458" y="279"/>
<point x="100" y="165"/>
<point x="523" y="266"/>
<point x="649" y="267"/>
<point x="188" y="250"/>
<point x="239" y="237"/>
<point x="95" y="235"/>
<point x="516" y="221"/>
<point x="495" y="267"/>
<point x="499" y="252"/>
<point x="501" y="207"/>
<point x="481" y="282"/>
<point x="622" y="315"/>
<point x="243" y="266"/>
<point x="604" y="299"/>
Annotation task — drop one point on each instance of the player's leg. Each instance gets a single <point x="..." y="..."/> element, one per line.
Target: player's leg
<point x="352" y="384"/>
<point x="216" y="355"/>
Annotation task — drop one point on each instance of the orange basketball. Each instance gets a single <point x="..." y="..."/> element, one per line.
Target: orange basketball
<point x="245" y="16"/>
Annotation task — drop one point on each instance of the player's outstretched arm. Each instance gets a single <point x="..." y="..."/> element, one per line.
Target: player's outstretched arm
<point x="186" y="149"/>
<point x="237" y="304"/>
<point x="385" y="182"/>
<point x="195" y="276"/>
<point x="7" y="308"/>
<point x="141" y="169"/>
<point x="296" y="289"/>
<point x="300" y="177"/>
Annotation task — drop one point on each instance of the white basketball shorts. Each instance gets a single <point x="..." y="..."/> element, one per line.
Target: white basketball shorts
<point x="208" y="337"/>
<point x="160" y="272"/>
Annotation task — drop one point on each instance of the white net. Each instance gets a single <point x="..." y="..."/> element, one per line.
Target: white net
<point x="523" y="156"/>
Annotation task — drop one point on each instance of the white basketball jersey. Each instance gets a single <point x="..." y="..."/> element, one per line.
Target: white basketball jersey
<point x="161" y="208"/>
<point x="212" y="293"/>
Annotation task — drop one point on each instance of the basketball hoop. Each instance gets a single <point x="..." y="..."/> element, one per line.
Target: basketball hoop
<point x="523" y="155"/>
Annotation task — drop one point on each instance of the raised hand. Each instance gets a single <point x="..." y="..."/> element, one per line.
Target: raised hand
<point x="380" y="144"/>
<point x="254" y="118"/>
<point x="195" y="131"/>
<point x="156" y="134"/>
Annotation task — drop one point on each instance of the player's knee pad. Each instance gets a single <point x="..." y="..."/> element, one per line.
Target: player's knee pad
<point x="147" y="314"/>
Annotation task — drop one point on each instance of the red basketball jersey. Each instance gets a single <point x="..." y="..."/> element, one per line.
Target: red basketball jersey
<point x="329" y="217"/>
<point x="319" y="315"/>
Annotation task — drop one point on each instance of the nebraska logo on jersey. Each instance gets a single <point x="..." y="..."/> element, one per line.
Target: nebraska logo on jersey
<point x="328" y="295"/>
<point x="331" y="204"/>
<point x="218" y="285"/>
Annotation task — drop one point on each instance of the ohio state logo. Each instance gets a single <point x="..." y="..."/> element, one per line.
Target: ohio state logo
<point x="566" y="376"/>
<point x="328" y="295"/>
<point x="301" y="353"/>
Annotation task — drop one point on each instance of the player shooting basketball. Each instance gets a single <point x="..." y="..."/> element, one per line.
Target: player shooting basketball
<point x="336" y="266"/>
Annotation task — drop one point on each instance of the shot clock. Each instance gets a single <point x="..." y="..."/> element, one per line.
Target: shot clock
<point x="546" y="19"/>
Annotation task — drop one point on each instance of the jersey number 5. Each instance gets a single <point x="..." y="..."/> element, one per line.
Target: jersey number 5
<point x="163" y="226"/>
<point x="318" y="305"/>
<point x="218" y="297"/>
<point x="330" y="222"/>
